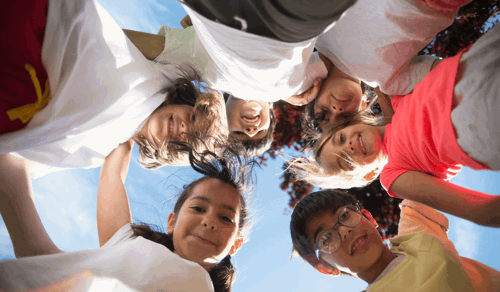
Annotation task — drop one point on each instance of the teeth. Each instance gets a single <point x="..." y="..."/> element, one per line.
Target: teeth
<point x="362" y="146"/>
<point x="358" y="242"/>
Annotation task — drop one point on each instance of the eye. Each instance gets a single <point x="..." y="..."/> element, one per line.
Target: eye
<point x="342" y="138"/>
<point x="325" y="240"/>
<point x="321" y="116"/>
<point x="193" y="117"/>
<point x="198" y="209"/>
<point x="227" y="219"/>
<point x="238" y="133"/>
<point x="344" y="216"/>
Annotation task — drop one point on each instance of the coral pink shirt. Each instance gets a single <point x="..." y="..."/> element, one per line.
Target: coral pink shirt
<point x="421" y="136"/>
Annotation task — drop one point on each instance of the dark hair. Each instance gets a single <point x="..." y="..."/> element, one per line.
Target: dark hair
<point x="254" y="148"/>
<point x="307" y="208"/>
<point x="187" y="90"/>
<point x="228" y="169"/>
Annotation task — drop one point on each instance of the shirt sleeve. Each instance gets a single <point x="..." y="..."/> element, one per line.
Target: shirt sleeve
<point x="417" y="217"/>
<point x="315" y="68"/>
<point x="123" y="234"/>
<point x="410" y="75"/>
<point x="445" y="6"/>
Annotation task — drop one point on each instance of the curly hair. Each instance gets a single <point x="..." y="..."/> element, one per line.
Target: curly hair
<point x="230" y="170"/>
<point x="188" y="90"/>
<point x="309" y="168"/>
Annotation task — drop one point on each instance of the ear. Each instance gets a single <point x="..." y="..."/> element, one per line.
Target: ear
<point x="371" y="175"/>
<point x="236" y="245"/>
<point x="370" y="218"/>
<point x="328" y="270"/>
<point x="171" y="223"/>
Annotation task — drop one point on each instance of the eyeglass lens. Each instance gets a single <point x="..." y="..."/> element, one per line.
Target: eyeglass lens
<point x="330" y="239"/>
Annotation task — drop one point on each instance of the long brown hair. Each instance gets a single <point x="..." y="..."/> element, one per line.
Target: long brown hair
<point x="188" y="90"/>
<point x="229" y="169"/>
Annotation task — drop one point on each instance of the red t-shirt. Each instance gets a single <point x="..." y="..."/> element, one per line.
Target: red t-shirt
<point x="421" y="135"/>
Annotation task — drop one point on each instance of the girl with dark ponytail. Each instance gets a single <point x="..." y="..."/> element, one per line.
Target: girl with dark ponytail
<point x="208" y="225"/>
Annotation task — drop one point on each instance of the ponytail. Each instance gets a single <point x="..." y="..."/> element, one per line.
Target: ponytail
<point x="222" y="274"/>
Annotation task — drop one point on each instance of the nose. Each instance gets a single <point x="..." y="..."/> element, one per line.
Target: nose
<point x="209" y="222"/>
<point x="350" y="147"/>
<point x="344" y="231"/>
<point x="251" y="130"/>
<point x="337" y="109"/>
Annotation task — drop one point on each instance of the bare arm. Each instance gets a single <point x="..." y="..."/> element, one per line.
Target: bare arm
<point x="481" y="208"/>
<point x="385" y="104"/>
<point x="150" y="45"/>
<point x="113" y="208"/>
<point x="19" y="212"/>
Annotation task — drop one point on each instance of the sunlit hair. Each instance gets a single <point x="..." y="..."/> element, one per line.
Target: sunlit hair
<point x="254" y="148"/>
<point x="188" y="90"/>
<point x="229" y="169"/>
<point x="311" y="168"/>
<point x="309" y="207"/>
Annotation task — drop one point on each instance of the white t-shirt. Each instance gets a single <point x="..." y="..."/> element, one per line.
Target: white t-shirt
<point x="248" y="66"/>
<point x="377" y="41"/>
<point x="102" y="89"/>
<point x="137" y="262"/>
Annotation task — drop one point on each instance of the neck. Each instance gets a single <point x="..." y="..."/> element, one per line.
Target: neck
<point x="378" y="267"/>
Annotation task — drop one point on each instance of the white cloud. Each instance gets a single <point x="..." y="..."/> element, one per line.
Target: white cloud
<point x="465" y="235"/>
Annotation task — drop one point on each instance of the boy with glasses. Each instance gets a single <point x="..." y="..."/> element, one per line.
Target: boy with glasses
<point x="332" y="233"/>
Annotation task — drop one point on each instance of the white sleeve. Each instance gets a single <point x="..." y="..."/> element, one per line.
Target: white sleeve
<point x="377" y="39"/>
<point x="410" y="75"/>
<point x="98" y="284"/>
<point x="417" y="217"/>
<point x="123" y="234"/>
<point x="315" y="68"/>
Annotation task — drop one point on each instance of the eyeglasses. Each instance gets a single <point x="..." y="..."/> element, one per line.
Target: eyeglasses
<point x="329" y="241"/>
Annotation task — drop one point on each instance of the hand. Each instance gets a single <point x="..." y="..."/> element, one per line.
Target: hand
<point x="306" y="96"/>
<point x="186" y="21"/>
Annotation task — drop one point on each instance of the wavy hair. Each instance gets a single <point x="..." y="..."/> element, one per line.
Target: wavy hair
<point x="188" y="90"/>
<point x="310" y="169"/>
<point x="229" y="169"/>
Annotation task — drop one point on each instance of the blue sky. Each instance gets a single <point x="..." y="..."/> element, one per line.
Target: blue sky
<point x="66" y="200"/>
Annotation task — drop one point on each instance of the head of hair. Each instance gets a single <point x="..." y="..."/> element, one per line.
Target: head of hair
<point x="310" y="169"/>
<point x="254" y="148"/>
<point x="309" y="207"/>
<point x="188" y="90"/>
<point x="228" y="169"/>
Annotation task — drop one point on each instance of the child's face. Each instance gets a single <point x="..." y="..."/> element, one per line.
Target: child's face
<point x="339" y="97"/>
<point x="205" y="230"/>
<point x="170" y="122"/>
<point x="360" y="248"/>
<point x="352" y="147"/>
<point x="248" y="120"/>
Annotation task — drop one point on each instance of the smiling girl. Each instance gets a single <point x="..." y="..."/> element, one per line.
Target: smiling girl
<point x="208" y="225"/>
<point x="74" y="87"/>
<point x="447" y="122"/>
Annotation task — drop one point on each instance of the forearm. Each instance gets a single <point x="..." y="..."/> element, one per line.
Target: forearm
<point x="26" y="231"/>
<point x="150" y="45"/>
<point x="481" y="208"/>
<point x="113" y="208"/>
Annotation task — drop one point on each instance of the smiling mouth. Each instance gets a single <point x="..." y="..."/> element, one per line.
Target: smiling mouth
<point x="361" y="145"/>
<point x="202" y="240"/>
<point x="359" y="243"/>
<point x="251" y="120"/>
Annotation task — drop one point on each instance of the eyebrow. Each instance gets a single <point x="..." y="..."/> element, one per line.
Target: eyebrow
<point x="205" y="199"/>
